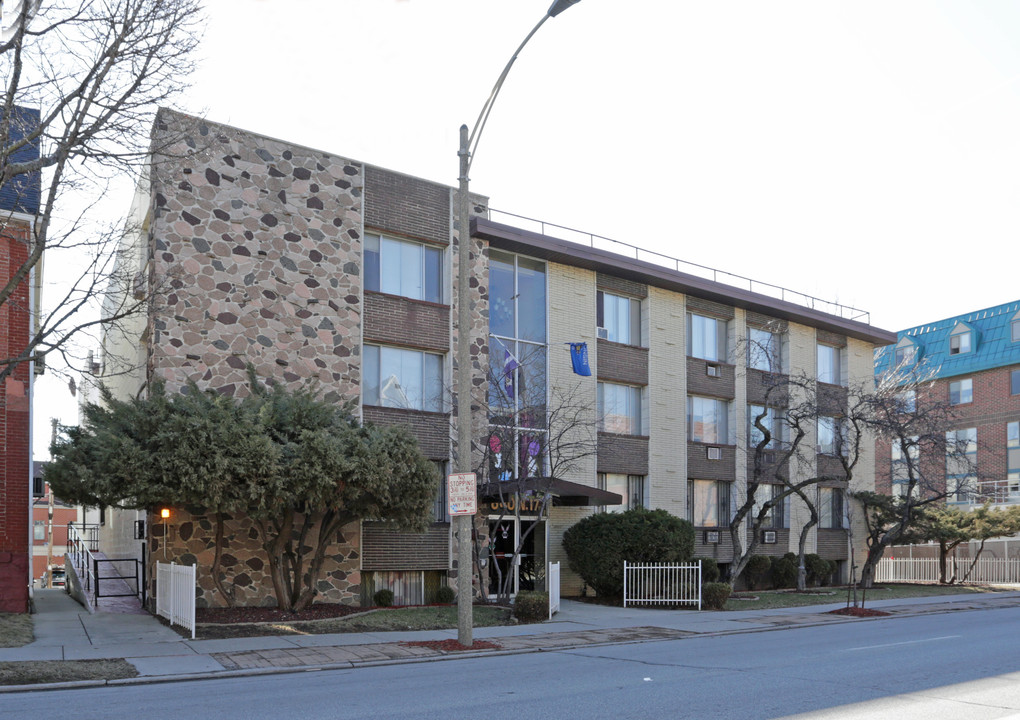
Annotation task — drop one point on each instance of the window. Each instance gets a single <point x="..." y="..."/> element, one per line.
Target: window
<point x="1013" y="460"/>
<point x="906" y="353"/>
<point x="39" y="530"/>
<point x="441" y="507"/>
<point x="38" y="489"/>
<point x="1014" y="382"/>
<point x="1015" y="330"/>
<point x="619" y="408"/>
<point x="829" y="366"/>
<point x="621" y="318"/>
<point x="764" y="350"/>
<point x="403" y="268"/>
<point x="775" y="518"/>
<point x="706" y="338"/>
<point x="828" y="435"/>
<point x="960" y="340"/>
<point x="961" y="463"/>
<point x="407" y="379"/>
<point x="709" y="503"/>
<point x="830" y="508"/>
<point x="632" y="488"/>
<point x="708" y="420"/>
<point x="961" y="391"/>
<point x="771" y="420"/>
<point x="906" y="401"/>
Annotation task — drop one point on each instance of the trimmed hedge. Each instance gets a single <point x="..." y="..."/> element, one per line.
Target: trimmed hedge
<point x="445" y="595"/>
<point x="598" y="545"/>
<point x="784" y="572"/>
<point x="756" y="570"/>
<point x="714" y="595"/>
<point x="709" y="569"/>
<point x="531" y="606"/>
<point x="383" y="598"/>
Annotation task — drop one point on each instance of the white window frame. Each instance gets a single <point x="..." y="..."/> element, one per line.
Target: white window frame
<point x="620" y="317"/>
<point x="962" y="440"/>
<point x="409" y="282"/>
<point x="610" y="396"/>
<point x="381" y="393"/>
<point x="700" y="345"/>
<point x="831" y="508"/>
<point x="961" y="340"/>
<point x="722" y="424"/>
<point x="718" y="511"/>
<point x="963" y="393"/>
<point x="764" y="350"/>
<point x="830" y="364"/>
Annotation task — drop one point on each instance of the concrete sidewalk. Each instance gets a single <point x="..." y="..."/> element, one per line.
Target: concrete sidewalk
<point x="66" y="631"/>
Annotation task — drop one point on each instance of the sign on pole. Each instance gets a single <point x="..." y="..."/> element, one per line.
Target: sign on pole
<point x="462" y="493"/>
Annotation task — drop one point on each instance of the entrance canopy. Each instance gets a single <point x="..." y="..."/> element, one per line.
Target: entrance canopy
<point x="564" y="492"/>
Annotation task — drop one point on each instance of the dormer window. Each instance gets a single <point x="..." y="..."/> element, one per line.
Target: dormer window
<point x="1014" y="328"/>
<point x="906" y="353"/>
<point x="961" y="340"/>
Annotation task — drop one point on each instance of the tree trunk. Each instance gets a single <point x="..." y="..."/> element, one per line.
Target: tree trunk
<point x="215" y="570"/>
<point x="275" y="543"/>
<point x="875" y="553"/>
<point x="329" y="526"/>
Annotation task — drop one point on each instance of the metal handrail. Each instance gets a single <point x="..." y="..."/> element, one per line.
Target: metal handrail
<point x="599" y="242"/>
<point x="81" y="557"/>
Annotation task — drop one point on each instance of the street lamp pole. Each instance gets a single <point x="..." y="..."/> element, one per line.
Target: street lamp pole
<point x="468" y="144"/>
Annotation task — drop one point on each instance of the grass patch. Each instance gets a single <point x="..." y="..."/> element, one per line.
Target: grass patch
<point x="432" y="617"/>
<point x="15" y="629"/>
<point x="767" y="600"/>
<point x="32" y="672"/>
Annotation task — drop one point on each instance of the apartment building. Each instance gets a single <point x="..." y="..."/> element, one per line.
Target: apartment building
<point x="311" y="265"/>
<point x="973" y="361"/>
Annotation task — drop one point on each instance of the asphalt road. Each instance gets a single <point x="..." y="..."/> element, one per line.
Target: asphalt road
<point x="956" y="665"/>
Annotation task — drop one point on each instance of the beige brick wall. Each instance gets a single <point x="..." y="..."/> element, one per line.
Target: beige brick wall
<point x="861" y="364"/>
<point x="667" y="403"/>
<point x="803" y="359"/>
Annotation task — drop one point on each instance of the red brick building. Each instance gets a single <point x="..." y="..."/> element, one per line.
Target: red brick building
<point x="19" y="203"/>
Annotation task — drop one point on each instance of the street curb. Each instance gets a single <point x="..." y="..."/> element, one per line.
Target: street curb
<point x="463" y="655"/>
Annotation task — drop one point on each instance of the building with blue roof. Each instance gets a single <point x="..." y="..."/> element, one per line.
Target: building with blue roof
<point x="974" y="361"/>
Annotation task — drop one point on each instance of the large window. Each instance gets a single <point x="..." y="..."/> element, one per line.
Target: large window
<point x="830" y="368"/>
<point x="830" y="508"/>
<point x="961" y="391"/>
<point x="632" y="488"/>
<point x="619" y="408"/>
<point x="403" y="268"/>
<point x="620" y="317"/>
<point x="961" y="464"/>
<point x="771" y="418"/>
<point x="517" y="366"/>
<point x="399" y="378"/>
<point x="1014" y="382"/>
<point x="906" y="353"/>
<point x="39" y="530"/>
<point x="708" y="420"/>
<point x="764" y="350"/>
<point x="709" y="503"/>
<point x="776" y="516"/>
<point x="1014" y="330"/>
<point x="706" y="337"/>
<point x="441" y="506"/>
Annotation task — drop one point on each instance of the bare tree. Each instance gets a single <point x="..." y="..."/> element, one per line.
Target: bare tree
<point x="83" y="79"/>
<point x="531" y="441"/>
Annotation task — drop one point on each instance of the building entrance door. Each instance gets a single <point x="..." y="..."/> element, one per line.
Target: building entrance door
<point x="527" y="572"/>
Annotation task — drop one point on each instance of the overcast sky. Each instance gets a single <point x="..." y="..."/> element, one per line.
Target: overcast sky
<point x="862" y="152"/>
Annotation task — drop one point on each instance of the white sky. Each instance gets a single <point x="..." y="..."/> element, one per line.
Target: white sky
<point x="863" y="152"/>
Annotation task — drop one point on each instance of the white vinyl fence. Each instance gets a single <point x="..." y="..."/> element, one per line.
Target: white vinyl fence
<point x="661" y="584"/>
<point x="987" y="570"/>
<point x="175" y="594"/>
<point x="554" y="588"/>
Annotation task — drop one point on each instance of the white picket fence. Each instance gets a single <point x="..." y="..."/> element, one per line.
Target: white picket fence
<point x="987" y="570"/>
<point x="175" y="594"/>
<point x="554" y="588"/>
<point x="662" y="584"/>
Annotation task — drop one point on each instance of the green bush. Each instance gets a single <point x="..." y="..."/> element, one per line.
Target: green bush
<point x="383" y="598"/>
<point x="709" y="569"/>
<point x="756" y="570"/>
<point x="784" y="572"/>
<point x="598" y="545"/>
<point x="714" y="595"/>
<point x="445" y="595"/>
<point x="530" y="606"/>
<point x="819" y="570"/>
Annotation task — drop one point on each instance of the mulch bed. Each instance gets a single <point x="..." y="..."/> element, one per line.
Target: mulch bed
<point x="858" y="612"/>
<point x="452" y="645"/>
<point x="318" y="611"/>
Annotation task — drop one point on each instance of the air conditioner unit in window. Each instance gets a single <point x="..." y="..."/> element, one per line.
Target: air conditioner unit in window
<point x="713" y="371"/>
<point x="711" y="537"/>
<point x="768" y="537"/>
<point x="714" y="453"/>
<point x="603" y="333"/>
<point x="768" y="458"/>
